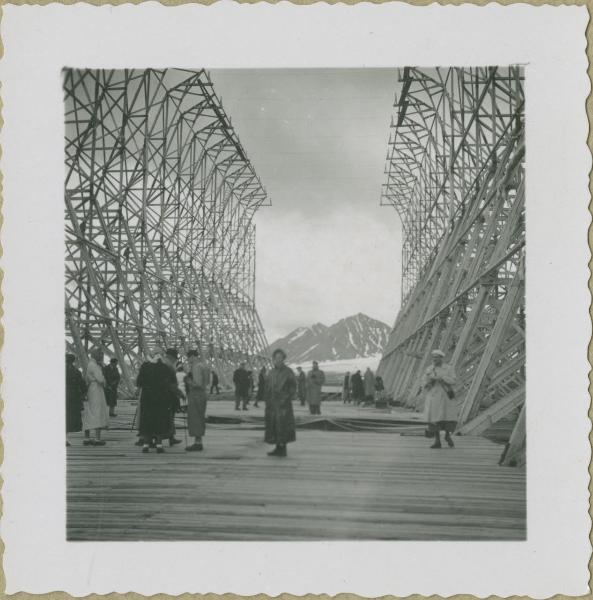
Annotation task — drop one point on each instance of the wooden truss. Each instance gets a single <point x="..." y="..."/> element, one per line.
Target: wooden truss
<point x="455" y="174"/>
<point x="160" y="243"/>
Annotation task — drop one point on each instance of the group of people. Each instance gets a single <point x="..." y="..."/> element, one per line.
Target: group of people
<point x="91" y="399"/>
<point x="168" y="386"/>
<point x="359" y="389"/>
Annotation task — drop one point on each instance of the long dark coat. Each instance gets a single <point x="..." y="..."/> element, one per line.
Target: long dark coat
<point x="112" y="378"/>
<point x="241" y="381"/>
<point x="75" y="394"/>
<point x="357" y="386"/>
<point x="279" y="417"/>
<point x="158" y="399"/>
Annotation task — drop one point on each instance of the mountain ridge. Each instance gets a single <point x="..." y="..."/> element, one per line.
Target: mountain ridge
<point x="356" y="336"/>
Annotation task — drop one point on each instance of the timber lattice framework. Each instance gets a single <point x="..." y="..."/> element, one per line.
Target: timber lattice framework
<point x="455" y="174"/>
<point x="160" y="243"/>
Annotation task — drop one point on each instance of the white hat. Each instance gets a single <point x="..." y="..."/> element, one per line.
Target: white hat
<point x="438" y="353"/>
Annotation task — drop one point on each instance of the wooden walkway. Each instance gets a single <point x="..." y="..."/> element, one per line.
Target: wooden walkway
<point x="333" y="485"/>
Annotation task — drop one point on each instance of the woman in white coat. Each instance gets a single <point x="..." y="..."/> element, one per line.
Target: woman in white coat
<point x="94" y="415"/>
<point x="440" y="408"/>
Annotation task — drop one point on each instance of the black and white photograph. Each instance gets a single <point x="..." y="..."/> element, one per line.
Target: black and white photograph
<point x="295" y="304"/>
<point x="295" y="299"/>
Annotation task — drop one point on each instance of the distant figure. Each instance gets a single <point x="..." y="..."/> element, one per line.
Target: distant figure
<point x="315" y="381"/>
<point x="346" y="388"/>
<point x="241" y="381"/>
<point x="198" y="379"/>
<point x="95" y="415"/>
<point x="261" y="387"/>
<point x="301" y="386"/>
<point x="357" y="388"/>
<point x="281" y="386"/>
<point x="181" y="377"/>
<point x="159" y="398"/>
<point x="75" y="396"/>
<point x="369" y="386"/>
<point x="112" y="378"/>
<point x="214" y="383"/>
<point x="251" y="387"/>
<point x="440" y="408"/>
<point x="380" y="399"/>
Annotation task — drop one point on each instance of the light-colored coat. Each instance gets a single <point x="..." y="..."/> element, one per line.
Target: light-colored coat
<point x="197" y="399"/>
<point x="438" y="406"/>
<point x="315" y="381"/>
<point x="94" y="415"/>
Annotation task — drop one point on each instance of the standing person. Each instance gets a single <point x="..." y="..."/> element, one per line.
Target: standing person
<point x="75" y="396"/>
<point x="440" y="410"/>
<point x="357" y="388"/>
<point x="198" y="379"/>
<point x="159" y="396"/>
<point x="181" y="376"/>
<point x="261" y="386"/>
<point x="369" y="386"/>
<point x="315" y="381"/>
<point x="251" y="387"/>
<point x="214" y="383"/>
<point x="379" y="390"/>
<point x="241" y="381"/>
<point x="280" y="389"/>
<point x="346" y="388"/>
<point x="94" y="415"/>
<point x="112" y="378"/>
<point x="301" y="385"/>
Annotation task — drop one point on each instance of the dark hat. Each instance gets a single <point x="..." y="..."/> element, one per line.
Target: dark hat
<point x="172" y="352"/>
<point x="279" y="351"/>
<point x="192" y="353"/>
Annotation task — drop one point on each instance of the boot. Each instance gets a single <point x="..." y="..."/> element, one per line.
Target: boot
<point x="437" y="439"/>
<point x="449" y="440"/>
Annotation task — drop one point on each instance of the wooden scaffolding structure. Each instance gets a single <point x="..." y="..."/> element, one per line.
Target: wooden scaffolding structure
<point x="159" y="200"/>
<point x="455" y="174"/>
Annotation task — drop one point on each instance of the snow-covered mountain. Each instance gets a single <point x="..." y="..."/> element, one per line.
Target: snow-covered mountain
<point x="352" y="337"/>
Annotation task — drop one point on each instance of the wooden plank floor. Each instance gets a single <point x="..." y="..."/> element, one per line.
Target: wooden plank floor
<point x="333" y="485"/>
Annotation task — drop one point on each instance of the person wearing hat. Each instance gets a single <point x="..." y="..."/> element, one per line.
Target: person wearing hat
<point x="197" y="382"/>
<point x="112" y="378"/>
<point x="94" y="415"/>
<point x="440" y="409"/>
<point x="159" y="398"/>
<point x="281" y="387"/>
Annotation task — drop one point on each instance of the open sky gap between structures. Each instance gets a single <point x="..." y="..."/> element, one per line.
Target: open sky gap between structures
<point x="160" y="199"/>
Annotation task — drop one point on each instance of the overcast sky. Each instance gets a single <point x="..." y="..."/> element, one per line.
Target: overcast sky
<point x="318" y="140"/>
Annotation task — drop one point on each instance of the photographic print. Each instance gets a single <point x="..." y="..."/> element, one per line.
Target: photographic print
<point x="294" y="304"/>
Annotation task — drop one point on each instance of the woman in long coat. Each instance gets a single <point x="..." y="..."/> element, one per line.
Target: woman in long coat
<point x="159" y="398"/>
<point x="315" y="381"/>
<point x="198" y="380"/>
<point x="75" y="395"/>
<point x="94" y="415"/>
<point x="440" y="408"/>
<point x="280" y="391"/>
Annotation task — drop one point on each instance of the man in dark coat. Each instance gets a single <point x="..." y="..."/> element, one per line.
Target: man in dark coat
<point x="112" y="377"/>
<point x="75" y="395"/>
<point x="281" y="386"/>
<point x="242" y="384"/>
<point x="357" y="388"/>
<point x="159" y="398"/>
<point x="301" y="385"/>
